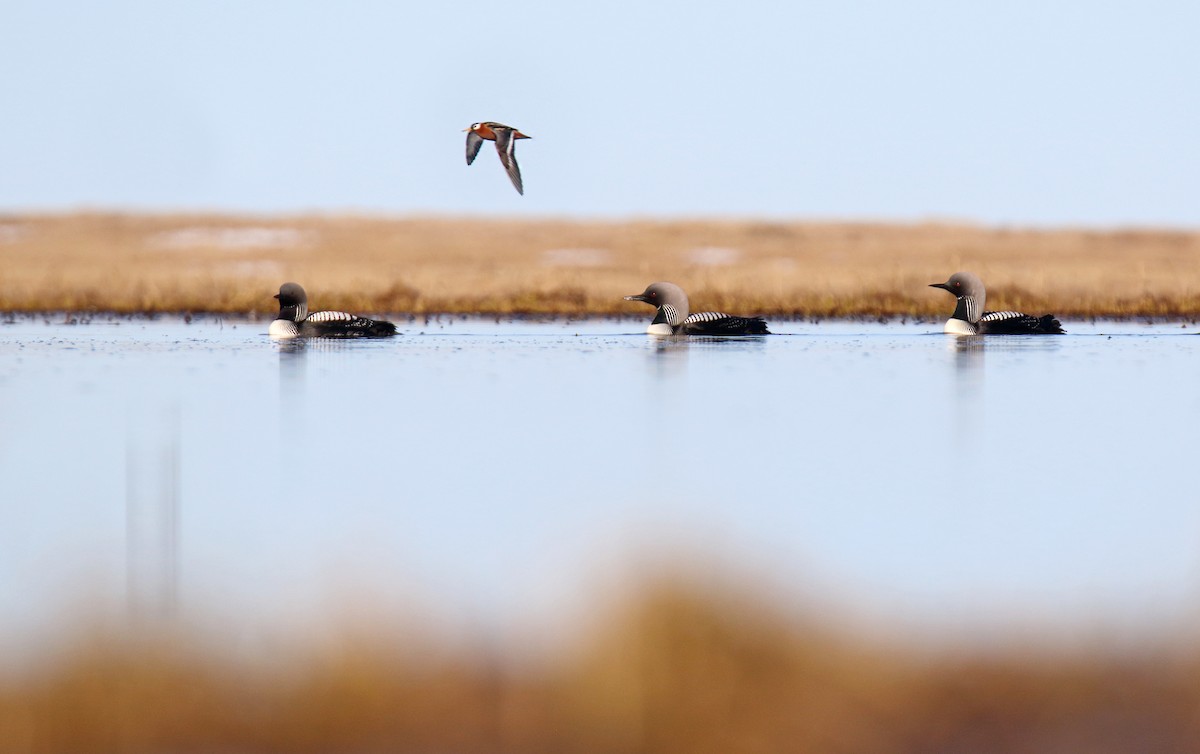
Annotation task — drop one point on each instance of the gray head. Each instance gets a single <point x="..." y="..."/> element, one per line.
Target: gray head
<point x="968" y="289"/>
<point x="293" y="302"/>
<point x="666" y="295"/>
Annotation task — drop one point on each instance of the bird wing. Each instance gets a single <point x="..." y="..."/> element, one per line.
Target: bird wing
<point x="474" y="142"/>
<point x="346" y="325"/>
<point x="323" y="317"/>
<point x="508" y="157"/>
<point x="1019" y="323"/>
<point x="719" y="323"/>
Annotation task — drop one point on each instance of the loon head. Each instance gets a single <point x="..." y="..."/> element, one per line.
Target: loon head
<point x="665" y="294"/>
<point x="968" y="289"/>
<point x="293" y="302"/>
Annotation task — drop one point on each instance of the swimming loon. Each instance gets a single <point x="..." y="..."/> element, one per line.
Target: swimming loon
<point x="969" y="318"/>
<point x="672" y="317"/>
<point x="294" y="321"/>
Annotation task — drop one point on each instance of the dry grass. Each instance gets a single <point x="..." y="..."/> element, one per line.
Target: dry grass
<point x="672" y="672"/>
<point x="200" y="263"/>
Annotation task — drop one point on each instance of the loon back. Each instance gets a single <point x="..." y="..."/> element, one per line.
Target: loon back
<point x="1019" y="323"/>
<point x="344" y="325"/>
<point x="719" y="323"/>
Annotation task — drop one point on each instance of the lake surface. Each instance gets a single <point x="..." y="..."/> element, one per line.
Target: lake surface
<point x="508" y="473"/>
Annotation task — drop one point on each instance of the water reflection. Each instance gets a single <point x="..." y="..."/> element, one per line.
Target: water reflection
<point x="293" y="365"/>
<point x="969" y="375"/>
<point x="968" y="350"/>
<point x="971" y="372"/>
<point x="292" y="355"/>
<point x="969" y="353"/>
<point x="498" y="460"/>
<point x="669" y="356"/>
<point x="152" y="511"/>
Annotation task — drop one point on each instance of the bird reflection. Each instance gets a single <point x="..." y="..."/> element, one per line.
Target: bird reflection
<point x="969" y="374"/>
<point x="293" y="363"/>
<point x="968" y="358"/>
<point x="152" y="512"/>
<point x="669" y="356"/>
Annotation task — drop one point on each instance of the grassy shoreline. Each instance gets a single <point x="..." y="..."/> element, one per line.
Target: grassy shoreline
<point x="232" y="264"/>
<point x="671" y="667"/>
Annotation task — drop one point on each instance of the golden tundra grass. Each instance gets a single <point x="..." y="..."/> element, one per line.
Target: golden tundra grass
<point x="234" y="264"/>
<point x="671" y="672"/>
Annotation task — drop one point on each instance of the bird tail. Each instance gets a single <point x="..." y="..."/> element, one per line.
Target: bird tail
<point x="1048" y="324"/>
<point x="756" y="326"/>
<point x="378" y="329"/>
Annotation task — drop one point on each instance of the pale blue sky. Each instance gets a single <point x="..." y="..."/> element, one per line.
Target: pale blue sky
<point x="1000" y="112"/>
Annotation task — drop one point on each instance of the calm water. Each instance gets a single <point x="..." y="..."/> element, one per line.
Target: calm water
<point x="506" y="472"/>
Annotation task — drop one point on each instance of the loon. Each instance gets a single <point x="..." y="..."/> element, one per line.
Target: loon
<point x="294" y="321"/>
<point x="672" y="317"/>
<point x="969" y="318"/>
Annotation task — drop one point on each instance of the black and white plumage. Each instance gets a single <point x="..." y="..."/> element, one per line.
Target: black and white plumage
<point x="969" y="317"/>
<point x="506" y="140"/>
<point x="672" y="317"/>
<point x="294" y="321"/>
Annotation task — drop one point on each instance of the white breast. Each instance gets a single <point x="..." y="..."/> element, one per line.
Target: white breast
<point x="960" y="327"/>
<point x="660" y="328"/>
<point x="282" y="328"/>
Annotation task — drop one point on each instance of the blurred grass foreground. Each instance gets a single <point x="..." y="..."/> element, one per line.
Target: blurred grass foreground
<point x="233" y="264"/>
<point x="675" y="668"/>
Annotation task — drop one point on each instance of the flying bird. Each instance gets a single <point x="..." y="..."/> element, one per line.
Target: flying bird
<point x="505" y="138"/>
